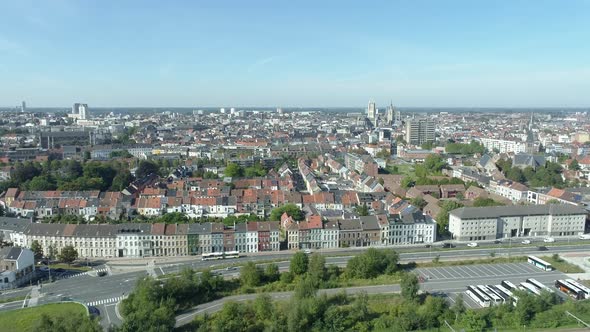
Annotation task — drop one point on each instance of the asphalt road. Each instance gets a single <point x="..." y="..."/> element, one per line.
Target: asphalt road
<point x="108" y="290"/>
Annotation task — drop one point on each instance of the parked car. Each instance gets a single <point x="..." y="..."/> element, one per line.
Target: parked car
<point x="472" y="244"/>
<point x="448" y="245"/>
<point x="526" y="242"/>
<point x="548" y="240"/>
<point x="307" y="251"/>
<point x="584" y="236"/>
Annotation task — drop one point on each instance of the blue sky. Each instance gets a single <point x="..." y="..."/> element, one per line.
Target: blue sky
<point x="295" y="53"/>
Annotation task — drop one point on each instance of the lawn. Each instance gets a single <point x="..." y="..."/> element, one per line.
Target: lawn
<point x="561" y="265"/>
<point x="12" y="299"/>
<point x="25" y="319"/>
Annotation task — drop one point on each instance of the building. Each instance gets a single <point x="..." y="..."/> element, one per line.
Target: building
<point x="79" y="112"/>
<point x="361" y="164"/>
<point x="411" y="228"/>
<point x="390" y="115"/>
<point x="420" y="131"/>
<point x="23" y="107"/>
<point x="503" y="146"/>
<point x="488" y="223"/>
<point x="372" y="111"/>
<point x="17" y="267"/>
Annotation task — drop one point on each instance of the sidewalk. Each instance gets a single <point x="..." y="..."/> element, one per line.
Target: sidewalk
<point x="581" y="260"/>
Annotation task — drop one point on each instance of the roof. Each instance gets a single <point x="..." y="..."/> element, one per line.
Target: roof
<point x="10" y="253"/>
<point x="516" y="210"/>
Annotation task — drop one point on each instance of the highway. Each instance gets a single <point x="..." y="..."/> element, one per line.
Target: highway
<point x="108" y="290"/>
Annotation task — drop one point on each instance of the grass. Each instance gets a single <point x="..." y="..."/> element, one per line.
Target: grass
<point x="492" y="260"/>
<point x="70" y="267"/>
<point x="25" y="319"/>
<point x="12" y="299"/>
<point x="561" y="265"/>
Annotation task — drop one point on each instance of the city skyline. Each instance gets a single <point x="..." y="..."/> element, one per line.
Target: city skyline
<point x="426" y="54"/>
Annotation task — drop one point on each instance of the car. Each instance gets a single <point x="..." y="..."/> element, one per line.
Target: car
<point x="497" y="241"/>
<point x="448" y="245"/>
<point x="542" y="248"/>
<point x="584" y="236"/>
<point x="44" y="268"/>
<point x="548" y="240"/>
<point x="472" y="244"/>
<point x="526" y="242"/>
<point x="101" y="273"/>
<point x="59" y="269"/>
<point x="428" y="246"/>
<point x="93" y="311"/>
<point x="307" y="251"/>
<point x="229" y="268"/>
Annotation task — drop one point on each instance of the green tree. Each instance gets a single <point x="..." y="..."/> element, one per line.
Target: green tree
<point x="442" y="218"/>
<point x="68" y="254"/>
<point x="250" y="275"/>
<point x="419" y="202"/>
<point x="299" y="263"/>
<point x="146" y="168"/>
<point x="122" y="180"/>
<point x="41" y="183"/>
<point x="409" y="286"/>
<point x="575" y="165"/>
<point x="317" y="268"/>
<point x="51" y="252"/>
<point x="434" y="163"/>
<point x="480" y="201"/>
<point x="305" y="288"/>
<point x="233" y="170"/>
<point x="271" y="272"/>
<point x="291" y="209"/>
<point x="372" y="263"/>
<point x="37" y="249"/>
<point x="406" y="182"/>
<point x="362" y="210"/>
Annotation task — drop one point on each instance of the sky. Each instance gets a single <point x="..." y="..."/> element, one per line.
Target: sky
<point x="124" y="53"/>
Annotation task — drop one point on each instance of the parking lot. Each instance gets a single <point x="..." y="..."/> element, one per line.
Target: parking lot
<point x="477" y="271"/>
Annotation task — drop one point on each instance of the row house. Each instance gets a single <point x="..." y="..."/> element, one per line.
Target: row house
<point x="411" y="228"/>
<point x="514" y="191"/>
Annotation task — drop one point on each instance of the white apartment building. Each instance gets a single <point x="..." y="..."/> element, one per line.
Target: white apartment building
<point x="411" y="228"/>
<point x="503" y="146"/>
<point x="487" y="223"/>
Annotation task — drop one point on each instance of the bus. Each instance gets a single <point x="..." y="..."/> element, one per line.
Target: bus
<point x="477" y="296"/>
<point x="508" y="293"/>
<point x="541" y="264"/>
<point x="495" y="299"/>
<point x="581" y="287"/>
<point x="505" y="298"/>
<point x="231" y="254"/>
<point x="508" y="285"/>
<point x="539" y="285"/>
<point x="569" y="289"/>
<point x="530" y="288"/>
<point x="212" y="256"/>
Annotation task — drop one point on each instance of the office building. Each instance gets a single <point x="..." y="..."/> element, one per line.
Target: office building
<point x="23" y="107"/>
<point x="390" y="115"/>
<point x="488" y="223"/>
<point x="420" y="131"/>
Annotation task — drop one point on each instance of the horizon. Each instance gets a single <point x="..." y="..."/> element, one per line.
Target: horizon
<point x="307" y="55"/>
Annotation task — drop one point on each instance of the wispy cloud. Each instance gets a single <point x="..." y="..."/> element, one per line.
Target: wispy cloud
<point x="261" y="63"/>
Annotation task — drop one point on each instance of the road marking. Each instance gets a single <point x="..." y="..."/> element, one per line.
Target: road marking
<point x="468" y="270"/>
<point x="108" y="317"/>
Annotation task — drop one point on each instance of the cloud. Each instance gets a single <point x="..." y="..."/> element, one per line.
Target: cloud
<point x="260" y="63"/>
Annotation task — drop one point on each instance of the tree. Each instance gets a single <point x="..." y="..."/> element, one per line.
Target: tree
<point x="37" y="249"/>
<point x="409" y="286"/>
<point x="291" y="209"/>
<point x="458" y="306"/>
<point x="407" y="182"/>
<point x="575" y="165"/>
<point x="122" y="180"/>
<point x="305" y="288"/>
<point x="41" y="183"/>
<point x="299" y="263"/>
<point x="419" y="202"/>
<point x="362" y="210"/>
<point x="372" y="263"/>
<point x="51" y="252"/>
<point x="442" y="218"/>
<point x="146" y="168"/>
<point x="250" y="275"/>
<point x="68" y="254"/>
<point x="233" y="170"/>
<point x="271" y="272"/>
<point x="434" y="163"/>
<point x="317" y="268"/>
<point x="480" y="201"/>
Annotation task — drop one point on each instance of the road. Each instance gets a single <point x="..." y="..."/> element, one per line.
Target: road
<point x="104" y="292"/>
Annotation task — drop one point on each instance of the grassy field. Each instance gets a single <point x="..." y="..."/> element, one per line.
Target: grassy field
<point x="561" y="265"/>
<point x="25" y="319"/>
<point x="491" y="260"/>
<point x="12" y="299"/>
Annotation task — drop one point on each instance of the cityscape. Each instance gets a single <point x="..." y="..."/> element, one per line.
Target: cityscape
<point x="444" y="188"/>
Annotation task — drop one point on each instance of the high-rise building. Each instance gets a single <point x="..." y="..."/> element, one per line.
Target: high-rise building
<point x="23" y="107"/>
<point x="80" y="111"/>
<point x="390" y="115"/>
<point x="420" y="131"/>
<point x="371" y="110"/>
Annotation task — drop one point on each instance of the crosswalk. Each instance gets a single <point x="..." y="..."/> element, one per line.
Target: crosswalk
<point x="106" y="301"/>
